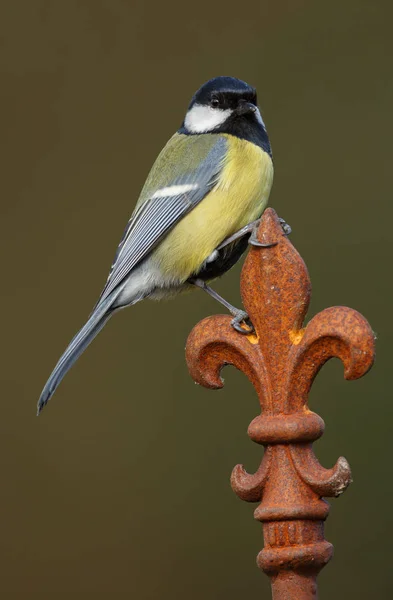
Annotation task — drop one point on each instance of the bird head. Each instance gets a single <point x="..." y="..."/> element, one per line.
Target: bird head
<point x="223" y="105"/>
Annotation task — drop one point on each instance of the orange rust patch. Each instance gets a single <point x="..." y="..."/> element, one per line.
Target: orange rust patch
<point x="252" y="338"/>
<point x="296" y="336"/>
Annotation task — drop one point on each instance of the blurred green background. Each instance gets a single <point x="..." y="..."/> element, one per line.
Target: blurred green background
<point x="121" y="488"/>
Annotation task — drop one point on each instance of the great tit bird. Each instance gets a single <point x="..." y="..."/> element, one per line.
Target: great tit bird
<point x="193" y="219"/>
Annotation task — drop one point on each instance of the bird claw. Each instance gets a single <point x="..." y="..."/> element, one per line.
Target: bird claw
<point x="287" y="229"/>
<point x="255" y="242"/>
<point x="242" y="317"/>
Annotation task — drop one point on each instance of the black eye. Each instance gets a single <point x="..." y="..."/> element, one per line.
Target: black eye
<point x="214" y="102"/>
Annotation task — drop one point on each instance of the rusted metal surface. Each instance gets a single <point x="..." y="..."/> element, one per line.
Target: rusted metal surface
<point x="281" y="360"/>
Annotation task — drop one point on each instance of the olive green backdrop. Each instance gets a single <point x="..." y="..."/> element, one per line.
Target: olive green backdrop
<point x="121" y="488"/>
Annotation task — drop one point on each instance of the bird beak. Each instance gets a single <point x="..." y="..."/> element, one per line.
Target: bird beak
<point x="246" y="108"/>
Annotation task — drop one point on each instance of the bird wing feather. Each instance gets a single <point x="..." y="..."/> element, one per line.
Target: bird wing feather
<point x="176" y="184"/>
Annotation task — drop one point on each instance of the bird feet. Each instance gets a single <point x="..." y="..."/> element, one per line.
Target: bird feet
<point x="255" y="242"/>
<point x="241" y="317"/>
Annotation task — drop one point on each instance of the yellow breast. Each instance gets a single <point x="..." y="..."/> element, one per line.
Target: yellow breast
<point x="240" y="196"/>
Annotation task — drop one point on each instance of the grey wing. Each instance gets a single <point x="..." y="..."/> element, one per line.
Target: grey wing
<point x="161" y="211"/>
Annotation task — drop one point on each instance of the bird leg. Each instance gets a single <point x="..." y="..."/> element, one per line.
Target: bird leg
<point x="239" y="234"/>
<point x="252" y="228"/>
<point x="239" y="316"/>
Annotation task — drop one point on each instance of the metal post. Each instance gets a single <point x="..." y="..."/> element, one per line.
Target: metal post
<point x="281" y="360"/>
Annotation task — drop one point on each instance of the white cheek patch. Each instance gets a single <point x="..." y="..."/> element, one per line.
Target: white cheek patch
<point x="201" y="119"/>
<point x="175" y="190"/>
<point x="258" y="118"/>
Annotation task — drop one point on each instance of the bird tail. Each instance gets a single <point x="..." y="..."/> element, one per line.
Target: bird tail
<point x="100" y="315"/>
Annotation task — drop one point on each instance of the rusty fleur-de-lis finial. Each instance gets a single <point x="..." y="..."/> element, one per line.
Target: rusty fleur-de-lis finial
<point x="282" y="359"/>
